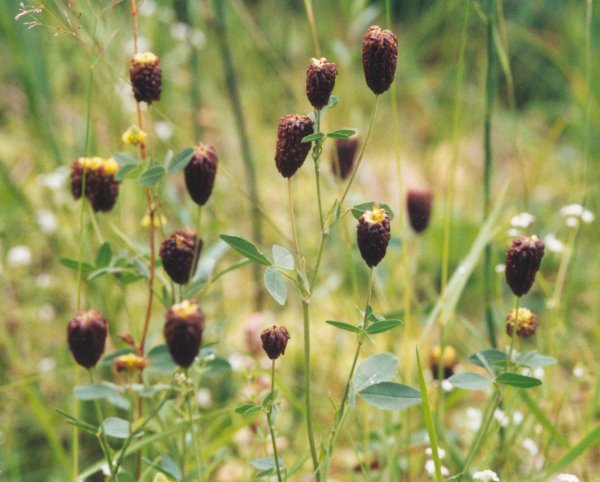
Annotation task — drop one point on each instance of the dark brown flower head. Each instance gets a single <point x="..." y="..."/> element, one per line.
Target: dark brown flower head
<point x="101" y="188"/>
<point x="290" y="152"/>
<point x="448" y="358"/>
<point x="183" y="332"/>
<point x="320" y="80"/>
<point x="379" y="54"/>
<point x="418" y="205"/>
<point x="86" y="335"/>
<point x="526" y="324"/>
<point x="146" y="77"/>
<point x="344" y="156"/>
<point x="200" y="173"/>
<point x="523" y="259"/>
<point x="130" y="363"/>
<point x="373" y="235"/>
<point x="274" y="341"/>
<point x="177" y="254"/>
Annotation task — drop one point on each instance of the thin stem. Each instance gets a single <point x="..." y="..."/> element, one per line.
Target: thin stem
<point x="102" y="435"/>
<point x="315" y="272"/>
<point x="362" y="150"/>
<point x="316" y="155"/>
<point x="514" y="333"/>
<point x="197" y="246"/>
<point x="490" y="86"/>
<point x="293" y="224"/>
<point x="270" y="422"/>
<point x="188" y="401"/>
<point x="313" y="26"/>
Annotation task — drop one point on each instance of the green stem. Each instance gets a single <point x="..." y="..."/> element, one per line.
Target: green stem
<point x="316" y="155"/>
<point x="514" y="333"/>
<point x="270" y="422"/>
<point x="322" y="241"/>
<point x="490" y="87"/>
<point x="102" y="435"/>
<point x="197" y="246"/>
<point x="313" y="26"/>
<point x="195" y="445"/>
<point x="362" y="150"/>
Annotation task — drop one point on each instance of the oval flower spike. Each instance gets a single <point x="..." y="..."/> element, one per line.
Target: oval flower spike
<point x="379" y="55"/>
<point x="523" y="259"/>
<point x="290" y="152"/>
<point x="373" y="235"/>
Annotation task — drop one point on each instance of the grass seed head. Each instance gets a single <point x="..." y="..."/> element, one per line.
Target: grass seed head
<point x="379" y="55"/>
<point x="177" y="254"/>
<point x="274" y="341"/>
<point x="290" y="152"/>
<point x="183" y="332"/>
<point x="523" y="259"/>
<point x="146" y="77"/>
<point x="373" y="235"/>
<point x="418" y="205"/>
<point x="200" y="173"/>
<point x="320" y="80"/>
<point x="86" y="335"/>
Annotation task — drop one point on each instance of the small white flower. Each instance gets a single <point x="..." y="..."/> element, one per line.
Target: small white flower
<point x="204" y="397"/>
<point x="538" y="373"/>
<point x="163" y="130"/>
<point x="44" y="280"/>
<point x="47" y="364"/>
<point x="578" y="371"/>
<point x="474" y="417"/>
<point x="47" y="312"/>
<point x="486" y="476"/>
<point x="553" y="243"/>
<point x="513" y="232"/>
<point x="55" y="180"/>
<point x="567" y="478"/>
<point x="587" y="216"/>
<point x="441" y="452"/>
<point x="149" y="8"/>
<point x="522" y="220"/>
<point x="576" y="212"/>
<point x="572" y="222"/>
<point x="240" y="363"/>
<point x="501" y="417"/>
<point x="500" y="268"/>
<point x="430" y="468"/>
<point x="529" y="445"/>
<point x="46" y="220"/>
<point x="179" y="31"/>
<point x="18" y="256"/>
<point x="572" y="210"/>
<point x="517" y="418"/>
<point x="447" y="386"/>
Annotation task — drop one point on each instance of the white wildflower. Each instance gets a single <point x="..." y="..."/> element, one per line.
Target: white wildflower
<point x="572" y="222"/>
<point x="486" y="476"/>
<point x="204" y="397"/>
<point x="513" y="233"/>
<point x="44" y="280"/>
<point x="163" y="130"/>
<point x="500" y="268"/>
<point x="46" y="220"/>
<point x="47" y="312"/>
<point x="54" y="180"/>
<point x="578" y="371"/>
<point x="18" y="256"/>
<point x="522" y="220"/>
<point x="441" y="452"/>
<point x="575" y="212"/>
<point x="553" y="243"/>
<point x="566" y="478"/>
<point x="474" y="417"/>
<point x="530" y="445"/>
<point x="430" y="468"/>
<point x="46" y="364"/>
<point x="447" y="386"/>
<point x="539" y="373"/>
<point x="501" y="417"/>
<point x="517" y="418"/>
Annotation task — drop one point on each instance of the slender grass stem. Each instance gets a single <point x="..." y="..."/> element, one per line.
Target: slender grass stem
<point x="195" y="446"/>
<point x="270" y="422"/>
<point x="197" y="246"/>
<point x="514" y="333"/>
<point x="313" y="25"/>
<point x="362" y="150"/>
<point x="316" y="155"/>
<point x="102" y="434"/>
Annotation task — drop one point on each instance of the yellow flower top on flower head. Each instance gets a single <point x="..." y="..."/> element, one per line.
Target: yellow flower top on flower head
<point x="376" y="215"/>
<point x="109" y="166"/>
<point x="185" y="309"/>
<point x="130" y="362"/>
<point x="145" y="58"/>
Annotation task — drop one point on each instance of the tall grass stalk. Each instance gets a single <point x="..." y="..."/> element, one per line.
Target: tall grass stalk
<point x="270" y="423"/>
<point x="313" y="26"/>
<point x="195" y="445"/>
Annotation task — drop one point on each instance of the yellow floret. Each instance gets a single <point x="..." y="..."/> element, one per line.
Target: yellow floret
<point x="185" y="309"/>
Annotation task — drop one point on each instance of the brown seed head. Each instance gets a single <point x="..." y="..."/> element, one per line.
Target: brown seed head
<point x="344" y="156"/>
<point x="449" y="361"/>
<point x="146" y="77"/>
<point x="86" y="335"/>
<point x="290" y="152"/>
<point x="200" y="173"/>
<point x="177" y="254"/>
<point x="379" y="54"/>
<point x="418" y="205"/>
<point x="320" y="80"/>
<point x="183" y="332"/>
<point x="101" y="188"/>
<point x="274" y="341"/>
<point x="526" y="324"/>
<point x="373" y="235"/>
<point x="130" y="363"/>
<point x="523" y="259"/>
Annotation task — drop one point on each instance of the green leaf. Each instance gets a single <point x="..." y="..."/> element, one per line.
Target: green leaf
<point x="276" y="285"/>
<point x="542" y="418"/>
<point x="266" y="463"/>
<point x="216" y="367"/>
<point x="78" y="422"/>
<point x="125" y="159"/>
<point x="248" y="409"/>
<point x="104" y="255"/>
<point x="124" y="477"/>
<point x="246" y="249"/>
<point x="313" y="137"/>
<point x="344" y="326"/>
<point x="170" y="467"/>
<point x="375" y="369"/>
<point x="151" y="176"/>
<point x="270" y="398"/>
<point x="532" y="359"/>
<point x="382" y="326"/>
<point x="490" y="356"/>
<point x="108" y="270"/>
<point x="516" y="380"/>
<point x="282" y="258"/>
<point x="333" y="101"/>
<point x="341" y="134"/>
<point x="74" y="264"/>
<point x="359" y="209"/>
<point x="116" y="427"/>
<point x="180" y="160"/>
<point x="99" y="391"/>
<point x="128" y="171"/>
<point x="470" y="381"/>
<point x="390" y="396"/>
<point x="160" y="361"/>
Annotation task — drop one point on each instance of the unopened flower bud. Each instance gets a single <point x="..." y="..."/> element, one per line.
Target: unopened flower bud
<point x="526" y="323"/>
<point x="130" y="363"/>
<point x="101" y="188"/>
<point x="290" y="152"/>
<point x="379" y="54"/>
<point x="320" y="80"/>
<point x="523" y="259"/>
<point x="344" y="156"/>
<point x="177" y="254"/>
<point x="373" y="235"/>
<point x="183" y="332"/>
<point x="274" y="341"/>
<point x="200" y="173"/>
<point x="448" y="359"/>
<point x="146" y="77"/>
<point x="418" y="205"/>
<point x="86" y="335"/>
